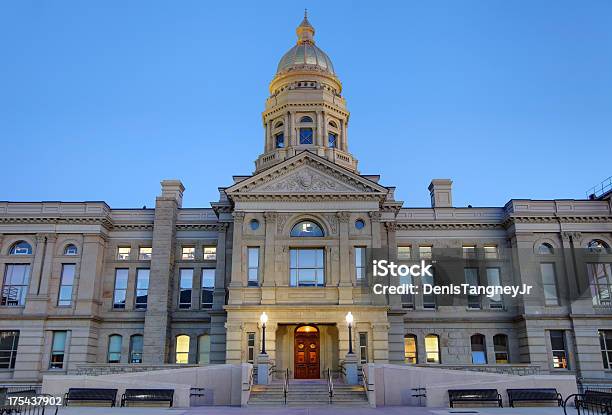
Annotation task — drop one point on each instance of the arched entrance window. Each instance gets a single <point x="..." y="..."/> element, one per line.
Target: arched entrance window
<point x="306" y="228"/>
<point x="307" y="350"/>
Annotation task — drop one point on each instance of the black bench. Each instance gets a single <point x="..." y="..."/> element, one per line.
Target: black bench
<point x="474" y="395"/>
<point x="534" y="395"/>
<point x="147" y="395"/>
<point x="91" y="395"/>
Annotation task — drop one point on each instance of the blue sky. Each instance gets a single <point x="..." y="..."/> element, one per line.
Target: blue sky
<point x="100" y="100"/>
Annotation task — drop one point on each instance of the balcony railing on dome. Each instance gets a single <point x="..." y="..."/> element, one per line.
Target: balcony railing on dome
<point x="601" y="189"/>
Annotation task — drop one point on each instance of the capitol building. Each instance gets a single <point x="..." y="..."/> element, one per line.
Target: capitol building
<point x="87" y="287"/>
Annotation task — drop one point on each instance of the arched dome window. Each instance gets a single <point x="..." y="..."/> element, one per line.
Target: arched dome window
<point x="305" y="119"/>
<point x="306" y="228"/>
<point x="278" y="124"/>
<point x="21" y="248"/>
<point x="70" y="250"/>
<point x="545" y="249"/>
<point x="333" y="124"/>
<point x="597" y="246"/>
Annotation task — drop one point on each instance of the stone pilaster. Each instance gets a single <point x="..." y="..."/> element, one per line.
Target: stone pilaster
<point x="267" y="277"/>
<point x="161" y="282"/>
<point x="219" y="291"/>
<point x="345" y="287"/>
<point x="237" y="280"/>
<point x="38" y="295"/>
<point x="90" y="275"/>
<point x="391" y="227"/>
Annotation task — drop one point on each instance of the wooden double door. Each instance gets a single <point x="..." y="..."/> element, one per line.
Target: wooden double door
<point x="307" y="353"/>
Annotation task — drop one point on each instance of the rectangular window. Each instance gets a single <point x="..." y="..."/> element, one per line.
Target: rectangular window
<point x="407" y="299"/>
<point x="500" y="346"/>
<point x="559" y="350"/>
<point x="142" y="288"/>
<point x="404" y="253"/>
<point x="425" y="252"/>
<point x="469" y="251"/>
<point x="136" y="346"/>
<point x="8" y="349"/>
<point x="305" y="135"/>
<point x="410" y="349"/>
<point x="280" y="140"/>
<point x="360" y="263"/>
<point x="114" y="348"/>
<point x="210" y="253"/>
<point x="549" y="283"/>
<point x="58" y="349"/>
<point x="429" y="300"/>
<point x="332" y="140"/>
<point x="185" y="287"/>
<point x="123" y="253"/>
<point x="490" y="252"/>
<point x="15" y="285"/>
<point x="66" y="282"/>
<point x="471" y="278"/>
<point x="145" y="253"/>
<point x="605" y="341"/>
<point x="600" y="279"/>
<point x="494" y="280"/>
<point x="253" y="266"/>
<point x="208" y="287"/>
<point x="121" y="284"/>
<point x="307" y="268"/>
<point x="250" y="347"/>
<point x="432" y="348"/>
<point x="204" y="349"/>
<point x="363" y="347"/>
<point x="188" y="253"/>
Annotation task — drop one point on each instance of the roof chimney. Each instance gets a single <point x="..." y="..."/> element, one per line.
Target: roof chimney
<point x="441" y="193"/>
<point x="173" y="189"/>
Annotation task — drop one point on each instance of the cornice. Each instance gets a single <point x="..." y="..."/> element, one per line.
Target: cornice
<point x="448" y="226"/>
<point x="509" y="220"/>
<point x="200" y="226"/>
<point x="106" y="222"/>
<point x="271" y="113"/>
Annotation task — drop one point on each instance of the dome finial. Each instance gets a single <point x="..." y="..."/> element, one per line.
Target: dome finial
<point x="305" y="31"/>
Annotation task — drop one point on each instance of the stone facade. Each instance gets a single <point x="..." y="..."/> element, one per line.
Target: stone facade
<point x="305" y="173"/>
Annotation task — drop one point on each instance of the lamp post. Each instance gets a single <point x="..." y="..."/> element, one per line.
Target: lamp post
<point x="349" y="322"/>
<point x="263" y="319"/>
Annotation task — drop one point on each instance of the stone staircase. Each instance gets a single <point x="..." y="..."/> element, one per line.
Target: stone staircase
<point x="307" y="393"/>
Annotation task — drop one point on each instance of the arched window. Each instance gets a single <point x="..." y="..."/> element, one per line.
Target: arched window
<point x="597" y="246"/>
<point x="136" y="345"/>
<point x="410" y="349"/>
<point x="21" y="248"/>
<point x="70" y="250"/>
<point x="479" y="349"/>
<point x="333" y="124"/>
<point x="278" y="124"/>
<point x="500" y="346"/>
<point x="114" y="348"/>
<point x="432" y="348"/>
<point x="182" y="349"/>
<point x="306" y="119"/>
<point x="546" y="249"/>
<point x="306" y="228"/>
<point x="204" y="349"/>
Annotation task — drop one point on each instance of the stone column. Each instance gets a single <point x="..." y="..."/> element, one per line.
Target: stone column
<point x="286" y="129"/>
<point x="38" y="294"/>
<point x="161" y="282"/>
<point x="37" y="263"/>
<point x="219" y="291"/>
<point x="391" y="227"/>
<point x="267" y="277"/>
<point x="375" y="226"/>
<point x="320" y="122"/>
<point x="292" y="130"/>
<point x="345" y="287"/>
<point x="90" y="275"/>
<point x="345" y="136"/>
<point x="237" y="274"/>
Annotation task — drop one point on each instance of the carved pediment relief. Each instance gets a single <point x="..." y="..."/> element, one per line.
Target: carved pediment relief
<point x="306" y="180"/>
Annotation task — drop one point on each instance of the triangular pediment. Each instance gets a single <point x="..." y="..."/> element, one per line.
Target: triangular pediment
<point x="306" y="174"/>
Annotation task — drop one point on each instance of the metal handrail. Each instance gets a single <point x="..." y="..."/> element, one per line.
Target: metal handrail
<point x="330" y="385"/>
<point x="364" y="380"/>
<point x="286" y="385"/>
<point x="271" y="369"/>
<point x="249" y="384"/>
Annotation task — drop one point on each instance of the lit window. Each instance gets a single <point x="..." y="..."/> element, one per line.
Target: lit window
<point x="425" y="252"/>
<point x="307" y="268"/>
<point x="279" y="140"/>
<point x="404" y="252"/>
<point x="210" y="253"/>
<point x="598" y="247"/>
<point x="494" y="280"/>
<point x="410" y="349"/>
<point x="332" y="140"/>
<point x="121" y="283"/>
<point x="185" y="287"/>
<point x="306" y="228"/>
<point x="114" y="348"/>
<point x="500" y="346"/>
<point x="305" y="135"/>
<point x="8" y="349"/>
<point x="123" y="253"/>
<point x="188" y="253"/>
<point x="545" y="249"/>
<point x="305" y="119"/>
<point x="142" y="288"/>
<point x="479" y="349"/>
<point x="490" y="252"/>
<point x="15" y="285"/>
<point x="363" y="347"/>
<point x="66" y="282"/>
<point x="471" y="278"/>
<point x="253" y="266"/>
<point x="549" y="284"/>
<point x="182" y="349"/>
<point x="360" y="263"/>
<point x="559" y="351"/>
<point x="600" y="279"/>
<point x="21" y="248"/>
<point x="250" y="347"/>
<point x="208" y="287"/>
<point x="469" y="251"/>
<point x="432" y="348"/>
<point x="605" y="341"/>
<point x="145" y="253"/>
<point x="136" y="346"/>
<point x="204" y="349"/>
<point x="70" y="250"/>
<point x="58" y="349"/>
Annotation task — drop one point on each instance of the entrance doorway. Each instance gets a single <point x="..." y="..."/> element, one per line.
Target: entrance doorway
<point x="307" y="350"/>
